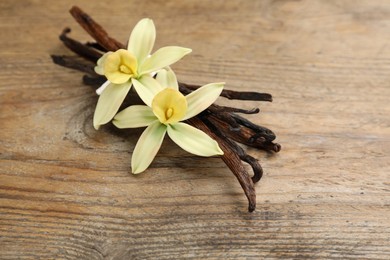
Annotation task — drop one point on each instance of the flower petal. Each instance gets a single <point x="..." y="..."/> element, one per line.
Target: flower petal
<point x="99" y="68"/>
<point x="146" y="87"/>
<point x="193" y="140"/>
<point x="167" y="79"/>
<point x="202" y="98"/>
<point x="142" y="39"/>
<point x="147" y="147"/>
<point x="162" y="58"/>
<point x="134" y="116"/>
<point x="109" y="102"/>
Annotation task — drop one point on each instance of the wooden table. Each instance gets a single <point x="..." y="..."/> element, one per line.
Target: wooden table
<point x="66" y="191"/>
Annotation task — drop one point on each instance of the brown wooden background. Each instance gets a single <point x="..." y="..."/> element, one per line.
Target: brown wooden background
<point x="66" y="191"/>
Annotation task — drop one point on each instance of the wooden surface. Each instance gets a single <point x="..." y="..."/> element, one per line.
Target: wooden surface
<point x="66" y="191"/>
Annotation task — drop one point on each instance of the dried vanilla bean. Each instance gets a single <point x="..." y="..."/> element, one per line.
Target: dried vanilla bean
<point x="79" y="48"/>
<point x="257" y="170"/>
<point x="232" y="160"/>
<point x="95" y="30"/>
<point x="241" y="95"/>
<point x="73" y="63"/>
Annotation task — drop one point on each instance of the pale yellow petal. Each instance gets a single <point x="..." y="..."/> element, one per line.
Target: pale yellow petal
<point x="147" y="147"/>
<point x="109" y="102"/>
<point x="193" y="140"/>
<point x="163" y="58"/>
<point x="134" y="116"/>
<point x="142" y="39"/>
<point x="167" y="79"/>
<point x="147" y="87"/>
<point x="202" y="98"/>
<point x="99" y="68"/>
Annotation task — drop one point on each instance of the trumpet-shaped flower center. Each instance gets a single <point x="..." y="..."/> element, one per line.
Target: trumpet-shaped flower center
<point x="120" y="66"/>
<point x="169" y="106"/>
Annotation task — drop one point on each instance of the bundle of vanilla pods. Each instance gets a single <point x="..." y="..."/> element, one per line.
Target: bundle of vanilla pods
<point x="222" y="123"/>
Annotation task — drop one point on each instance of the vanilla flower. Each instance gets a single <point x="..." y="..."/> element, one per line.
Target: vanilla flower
<point x="168" y="108"/>
<point x="134" y="66"/>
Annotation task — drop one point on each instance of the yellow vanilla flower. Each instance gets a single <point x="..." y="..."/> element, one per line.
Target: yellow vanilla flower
<point x="132" y="67"/>
<point x="168" y="108"/>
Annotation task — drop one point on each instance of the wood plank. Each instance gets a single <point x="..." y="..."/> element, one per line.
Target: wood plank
<point x="66" y="191"/>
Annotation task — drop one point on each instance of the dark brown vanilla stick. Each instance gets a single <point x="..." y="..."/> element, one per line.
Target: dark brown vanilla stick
<point x="230" y="94"/>
<point x="73" y="63"/>
<point x="232" y="160"/>
<point x="79" y="48"/>
<point x="96" y="46"/>
<point x="246" y="135"/>
<point x="236" y="110"/>
<point x="94" y="81"/>
<point x="243" y="135"/>
<point x="95" y="30"/>
<point x="257" y="170"/>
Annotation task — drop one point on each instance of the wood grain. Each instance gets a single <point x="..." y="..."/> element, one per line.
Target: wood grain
<point x="66" y="191"/>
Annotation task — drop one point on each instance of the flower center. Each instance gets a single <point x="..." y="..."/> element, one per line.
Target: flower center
<point x="120" y="66"/>
<point x="169" y="113"/>
<point x="169" y="106"/>
<point x="125" y="69"/>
